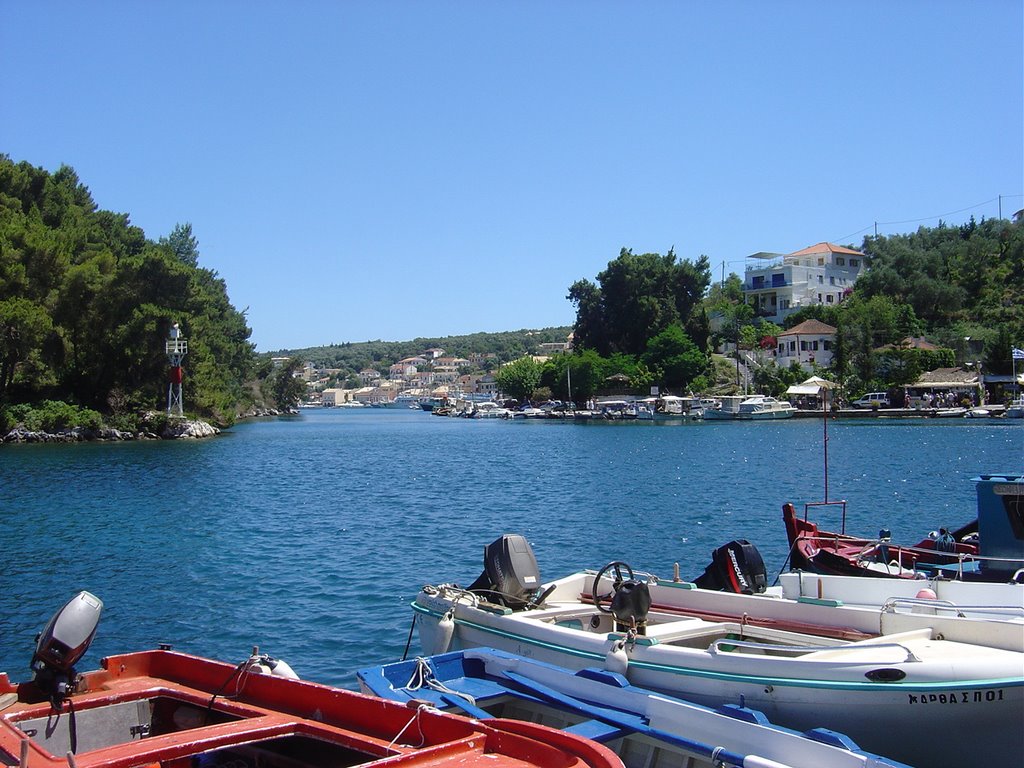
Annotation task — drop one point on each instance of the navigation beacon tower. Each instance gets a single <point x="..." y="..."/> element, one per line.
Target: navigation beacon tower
<point x="176" y="348"/>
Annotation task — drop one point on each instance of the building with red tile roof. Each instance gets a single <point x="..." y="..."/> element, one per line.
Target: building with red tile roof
<point x="808" y="342"/>
<point x="819" y="274"/>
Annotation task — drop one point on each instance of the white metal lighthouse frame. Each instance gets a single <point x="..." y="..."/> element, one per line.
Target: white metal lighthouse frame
<point x="176" y="348"/>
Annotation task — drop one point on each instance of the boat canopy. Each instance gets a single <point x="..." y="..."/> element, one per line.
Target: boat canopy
<point x="804" y="389"/>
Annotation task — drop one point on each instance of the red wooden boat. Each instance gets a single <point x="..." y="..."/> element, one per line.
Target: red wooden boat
<point x="828" y="552"/>
<point x="162" y="709"/>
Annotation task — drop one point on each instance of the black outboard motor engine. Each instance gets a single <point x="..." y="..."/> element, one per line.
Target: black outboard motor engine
<point x="735" y="567"/>
<point x="511" y="576"/>
<point x="60" y="646"/>
<point x="630" y="605"/>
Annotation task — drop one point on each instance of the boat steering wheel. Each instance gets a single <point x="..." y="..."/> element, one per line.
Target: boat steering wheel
<point x="616" y="567"/>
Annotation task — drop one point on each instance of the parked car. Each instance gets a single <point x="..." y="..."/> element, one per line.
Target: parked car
<point x="872" y="400"/>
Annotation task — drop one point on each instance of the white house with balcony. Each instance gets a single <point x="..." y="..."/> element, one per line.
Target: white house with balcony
<point x="779" y="284"/>
<point x="809" y="342"/>
<point x="401" y="371"/>
<point x="369" y="376"/>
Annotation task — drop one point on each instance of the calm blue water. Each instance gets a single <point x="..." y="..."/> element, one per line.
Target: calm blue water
<point x="308" y="536"/>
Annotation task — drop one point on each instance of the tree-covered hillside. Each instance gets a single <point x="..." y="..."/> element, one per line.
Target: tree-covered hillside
<point x="87" y="301"/>
<point x="959" y="287"/>
<point x="959" y="282"/>
<point x="352" y="357"/>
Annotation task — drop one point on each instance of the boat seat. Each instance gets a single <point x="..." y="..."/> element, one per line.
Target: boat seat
<point x="676" y="628"/>
<point x="597" y="731"/>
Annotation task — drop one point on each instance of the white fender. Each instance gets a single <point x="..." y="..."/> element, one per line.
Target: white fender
<point x="283" y="669"/>
<point x="438" y="638"/>
<point x="616" y="659"/>
<point x="265" y="665"/>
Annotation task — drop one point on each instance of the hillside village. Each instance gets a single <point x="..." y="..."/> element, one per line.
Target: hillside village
<point x="774" y="285"/>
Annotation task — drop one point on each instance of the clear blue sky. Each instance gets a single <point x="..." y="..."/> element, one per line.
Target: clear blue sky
<point x="388" y="170"/>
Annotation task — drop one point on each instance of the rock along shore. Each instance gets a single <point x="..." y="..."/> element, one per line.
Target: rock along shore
<point x="175" y="430"/>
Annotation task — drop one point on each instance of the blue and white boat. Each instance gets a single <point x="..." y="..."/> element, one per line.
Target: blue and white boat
<point x="646" y="730"/>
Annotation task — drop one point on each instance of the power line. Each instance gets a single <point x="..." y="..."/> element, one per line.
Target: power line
<point x="875" y="226"/>
<point x="939" y="216"/>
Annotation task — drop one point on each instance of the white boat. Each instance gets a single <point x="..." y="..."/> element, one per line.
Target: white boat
<point x="763" y="407"/>
<point x="978" y="413"/>
<point x="645" y="729"/>
<point x="529" y="412"/>
<point x="728" y="408"/>
<point x="984" y="613"/>
<point x="616" y="410"/>
<point x="489" y="410"/>
<point x="1015" y="410"/>
<point x="675" y="408"/>
<point x="407" y="402"/>
<point x="956" y="703"/>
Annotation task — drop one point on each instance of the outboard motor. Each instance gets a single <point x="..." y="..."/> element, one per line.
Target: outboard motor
<point x="62" y="644"/>
<point x="735" y="567"/>
<point x="511" y="576"/>
<point x="630" y="604"/>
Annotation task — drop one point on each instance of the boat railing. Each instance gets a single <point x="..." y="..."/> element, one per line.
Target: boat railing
<point x="961" y="560"/>
<point x="452" y="592"/>
<point x="801" y="649"/>
<point x="892" y="603"/>
<point x="841" y="504"/>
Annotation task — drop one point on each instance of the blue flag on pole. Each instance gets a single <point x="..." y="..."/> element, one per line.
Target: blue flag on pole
<point x="1018" y="354"/>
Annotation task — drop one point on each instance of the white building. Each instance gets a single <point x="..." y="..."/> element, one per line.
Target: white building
<point x="401" y="371"/>
<point x="809" y="342"/>
<point x="820" y="274"/>
<point x="369" y="376"/>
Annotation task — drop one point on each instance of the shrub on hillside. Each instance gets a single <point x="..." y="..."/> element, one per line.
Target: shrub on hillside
<point x="49" y="416"/>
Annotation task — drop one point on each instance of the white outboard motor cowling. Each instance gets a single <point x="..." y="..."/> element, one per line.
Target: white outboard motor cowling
<point x="63" y="642"/>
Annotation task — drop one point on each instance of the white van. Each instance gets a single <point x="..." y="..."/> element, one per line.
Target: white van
<point x="872" y="400"/>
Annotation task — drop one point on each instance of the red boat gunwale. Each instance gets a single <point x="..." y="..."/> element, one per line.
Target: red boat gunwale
<point x="817" y="551"/>
<point x="374" y="730"/>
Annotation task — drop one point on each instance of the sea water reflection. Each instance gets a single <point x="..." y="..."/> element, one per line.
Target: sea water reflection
<point x="309" y="535"/>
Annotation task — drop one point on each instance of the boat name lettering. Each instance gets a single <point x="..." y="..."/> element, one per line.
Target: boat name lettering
<point x="957" y="697"/>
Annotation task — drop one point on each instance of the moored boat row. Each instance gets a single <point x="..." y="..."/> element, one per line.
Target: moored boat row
<point x="925" y="668"/>
<point x="804" y="664"/>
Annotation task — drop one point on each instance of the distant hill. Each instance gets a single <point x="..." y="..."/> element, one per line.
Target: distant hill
<point x="352" y="357"/>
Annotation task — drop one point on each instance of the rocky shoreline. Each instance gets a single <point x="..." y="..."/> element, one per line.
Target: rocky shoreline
<point x="175" y="429"/>
<point x="184" y="429"/>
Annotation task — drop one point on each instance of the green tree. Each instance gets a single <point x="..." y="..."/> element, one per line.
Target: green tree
<point x="640" y="295"/>
<point x="183" y="243"/>
<point x="519" y="378"/>
<point x="674" y="358"/>
<point x="88" y="301"/>
<point x="287" y="389"/>
<point x="577" y="376"/>
<point x="865" y="325"/>
<point x="24" y="325"/>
